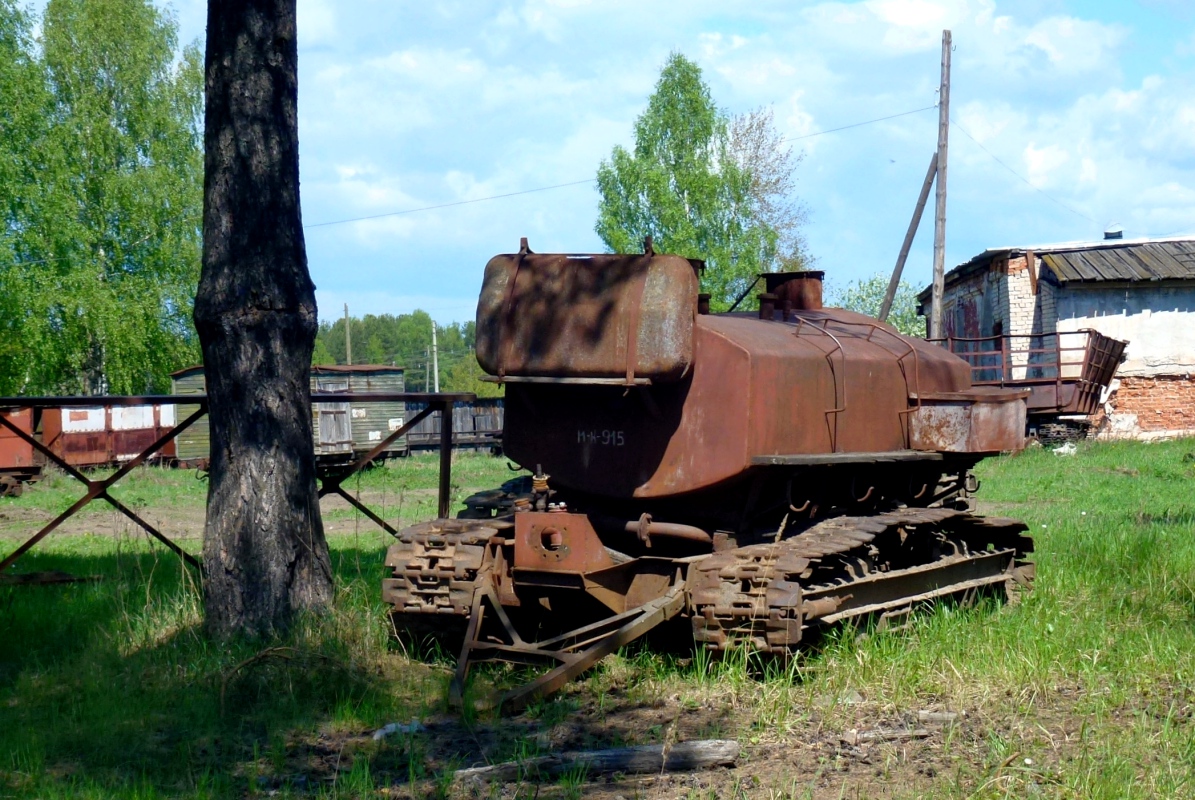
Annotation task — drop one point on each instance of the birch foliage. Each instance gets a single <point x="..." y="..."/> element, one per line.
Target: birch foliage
<point x="100" y="198"/>
<point x="703" y="186"/>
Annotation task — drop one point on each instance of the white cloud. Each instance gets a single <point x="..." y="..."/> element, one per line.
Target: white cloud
<point x="1074" y="45"/>
<point x="410" y="105"/>
<point x="317" y="23"/>
<point x="1043" y="162"/>
<point x="912" y="24"/>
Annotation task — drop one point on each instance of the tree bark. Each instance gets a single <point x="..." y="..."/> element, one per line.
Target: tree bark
<point x="264" y="550"/>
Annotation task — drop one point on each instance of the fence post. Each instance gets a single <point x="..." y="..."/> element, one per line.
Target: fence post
<point x="445" y="457"/>
<point x="1005" y="360"/>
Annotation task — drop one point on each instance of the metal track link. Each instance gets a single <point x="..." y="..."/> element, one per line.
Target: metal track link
<point x="765" y="595"/>
<point x="435" y="572"/>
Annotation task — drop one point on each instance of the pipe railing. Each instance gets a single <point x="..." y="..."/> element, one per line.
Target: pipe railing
<point x="441" y="402"/>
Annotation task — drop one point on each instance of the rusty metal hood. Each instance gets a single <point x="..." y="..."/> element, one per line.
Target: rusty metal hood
<point x="595" y="317"/>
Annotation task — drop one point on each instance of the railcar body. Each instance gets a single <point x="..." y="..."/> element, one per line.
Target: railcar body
<point x="85" y="437"/>
<point x="18" y="461"/>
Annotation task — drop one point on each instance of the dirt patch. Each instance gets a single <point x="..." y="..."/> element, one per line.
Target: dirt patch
<point x="829" y="756"/>
<point x="185" y="520"/>
<point x="182" y="522"/>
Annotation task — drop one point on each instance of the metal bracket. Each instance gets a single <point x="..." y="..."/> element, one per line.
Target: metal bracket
<point x="573" y="652"/>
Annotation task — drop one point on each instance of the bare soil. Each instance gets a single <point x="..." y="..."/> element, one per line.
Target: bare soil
<point x="184" y="520"/>
<point x="823" y="760"/>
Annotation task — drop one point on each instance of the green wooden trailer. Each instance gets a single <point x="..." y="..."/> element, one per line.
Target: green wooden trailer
<point x="342" y="431"/>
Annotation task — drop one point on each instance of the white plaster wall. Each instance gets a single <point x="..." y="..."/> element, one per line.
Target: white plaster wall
<point x="1157" y="322"/>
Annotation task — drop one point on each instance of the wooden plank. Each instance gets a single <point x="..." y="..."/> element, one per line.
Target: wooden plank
<point x="1071" y="266"/>
<point x="1166" y="265"/>
<point x="1058" y="265"/>
<point x="1127" y="267"/>
<point x="1147" y="268"/>
<point x="828" y="459"/>
<point x="1079" y="261"/>
<point x="651" y="759"/>
<point x="1137" y="269"/>
<point x="1103" y="262"/>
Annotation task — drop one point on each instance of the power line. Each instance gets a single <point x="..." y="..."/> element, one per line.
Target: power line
<point x="857" y="124"/>
<point x="539" y="188"/>
<point x="449" y="205"/>
<point x="1019" y="175"/>
<point x="588" y="180"/>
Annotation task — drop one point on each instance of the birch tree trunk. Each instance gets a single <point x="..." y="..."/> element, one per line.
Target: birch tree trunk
<point x="264" y="550"/>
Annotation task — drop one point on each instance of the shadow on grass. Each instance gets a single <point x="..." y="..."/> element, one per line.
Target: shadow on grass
<point x="111" y="689"/>
<point x="113" y="685"/>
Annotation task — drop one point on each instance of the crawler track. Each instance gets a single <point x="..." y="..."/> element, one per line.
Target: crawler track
<point x="435" y="574"/>
<point x="765" y="596"/>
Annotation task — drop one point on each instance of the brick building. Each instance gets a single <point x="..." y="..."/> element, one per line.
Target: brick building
<point x="1138" y="290"/>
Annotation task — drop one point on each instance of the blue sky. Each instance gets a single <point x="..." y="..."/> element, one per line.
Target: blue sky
<point x="405" y="105"/>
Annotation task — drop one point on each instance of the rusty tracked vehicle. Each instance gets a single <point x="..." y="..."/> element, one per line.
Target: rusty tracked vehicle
<point x="762" y="474"/>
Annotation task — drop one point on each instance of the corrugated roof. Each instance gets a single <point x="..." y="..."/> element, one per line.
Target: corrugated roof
<point x="1136" y="261"/>
<point x="1089" y="262"/>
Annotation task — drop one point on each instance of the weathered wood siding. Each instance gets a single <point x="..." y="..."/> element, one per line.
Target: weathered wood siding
<point x="358" y="427"/>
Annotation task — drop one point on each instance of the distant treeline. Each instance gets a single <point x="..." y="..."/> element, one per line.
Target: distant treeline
<point x="405" y="341"/>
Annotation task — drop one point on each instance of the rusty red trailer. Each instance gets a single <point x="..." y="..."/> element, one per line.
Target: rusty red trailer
<point x="18" y="463"/>
<point x="106" y="434"/>
<point x="88" y="436"/>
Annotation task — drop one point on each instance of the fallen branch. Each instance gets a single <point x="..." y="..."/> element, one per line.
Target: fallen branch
<point x="681" y="757"/>
<point x="857" y="737"/>
<point x="54" y="576"/>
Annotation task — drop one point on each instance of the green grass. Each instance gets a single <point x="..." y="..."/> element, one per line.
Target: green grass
<point x="1091" y="676"/>
<point x="111" y="687"/>
<point x="1082" y="689"/>
<point x="402" y="490"/>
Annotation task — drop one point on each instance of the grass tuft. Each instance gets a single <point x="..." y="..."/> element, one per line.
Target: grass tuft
<point x="1082" y="689"/>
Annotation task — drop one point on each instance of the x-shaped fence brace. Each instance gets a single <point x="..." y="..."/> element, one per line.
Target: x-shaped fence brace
<point x="441" y="402"/>
<point x="332" y="483"/>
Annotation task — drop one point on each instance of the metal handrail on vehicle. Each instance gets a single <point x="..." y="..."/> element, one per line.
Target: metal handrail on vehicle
<point x="872" y="329"/>
<point x="1049" y="362"/>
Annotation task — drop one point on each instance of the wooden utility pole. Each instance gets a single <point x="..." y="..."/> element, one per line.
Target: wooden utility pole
<point x="939" y="285"/>
<point x="348" y="337"/>
<point x="435" y="360"/>
<point x="894" y="282"/>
